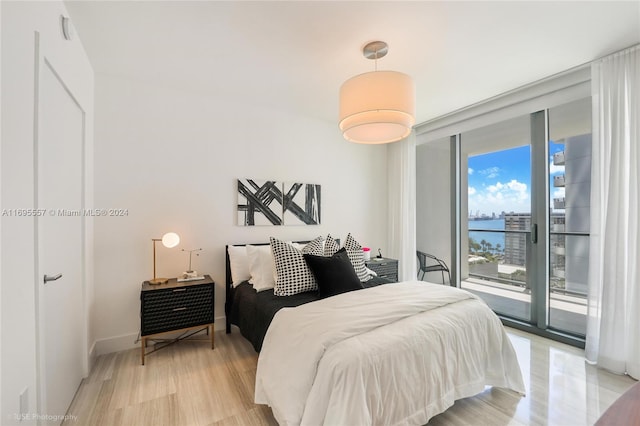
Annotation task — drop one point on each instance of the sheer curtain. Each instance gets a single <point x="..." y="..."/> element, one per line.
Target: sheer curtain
<point x="401" y="189"/>
<point x="613" y="327"/>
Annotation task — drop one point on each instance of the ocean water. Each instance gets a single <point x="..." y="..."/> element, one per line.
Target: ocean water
<point x="491" y="237"/>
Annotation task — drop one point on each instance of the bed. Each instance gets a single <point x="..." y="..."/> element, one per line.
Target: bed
<point x="397" y="353"/>
<point x="253" y="311"/>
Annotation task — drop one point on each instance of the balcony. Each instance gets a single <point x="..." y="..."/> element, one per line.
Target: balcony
<point x="558" y="158"/>
<point x="502" y="282"/>
<point x="558" y="181"/>
<point x="568" y="311"/>
<point x="558" y="203"/>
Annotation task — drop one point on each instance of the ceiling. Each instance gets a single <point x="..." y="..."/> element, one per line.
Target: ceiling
<point x="294" y="55"/>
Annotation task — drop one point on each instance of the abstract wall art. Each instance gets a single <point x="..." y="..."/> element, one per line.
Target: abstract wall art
<point x="268" y="202"/>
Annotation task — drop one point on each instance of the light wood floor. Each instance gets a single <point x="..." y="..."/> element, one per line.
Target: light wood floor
<point x="189" y="384"/>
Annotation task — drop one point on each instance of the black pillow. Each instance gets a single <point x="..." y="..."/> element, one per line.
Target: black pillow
<point x="334" y="274"/>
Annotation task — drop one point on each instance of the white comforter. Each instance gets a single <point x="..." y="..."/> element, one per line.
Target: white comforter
<point x="392" y="354"/>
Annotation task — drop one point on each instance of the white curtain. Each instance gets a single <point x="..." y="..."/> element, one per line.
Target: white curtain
<point x="613" y="327"/>
<point x="401" y="190"/>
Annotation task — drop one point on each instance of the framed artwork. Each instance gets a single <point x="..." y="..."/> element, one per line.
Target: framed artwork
<point x="268" y="202"/>
<point x="259" y="202"/>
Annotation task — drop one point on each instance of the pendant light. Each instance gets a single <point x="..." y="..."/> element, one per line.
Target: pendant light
<point x="379" y="106"/>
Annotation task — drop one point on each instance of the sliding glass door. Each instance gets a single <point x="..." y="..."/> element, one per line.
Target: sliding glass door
<point x="524" y="216"/>
<point x="570" y="205"/>
<point x="496" y="205"/>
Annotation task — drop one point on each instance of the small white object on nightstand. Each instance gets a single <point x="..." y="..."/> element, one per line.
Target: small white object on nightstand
<point x="184" y="278"/>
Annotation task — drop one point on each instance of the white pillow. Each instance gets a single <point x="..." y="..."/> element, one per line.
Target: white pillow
<point x="239" y="263"/>
<point x="299" y="246"/>
<point x="261" y="267"/>
<point x="294" y="275"/>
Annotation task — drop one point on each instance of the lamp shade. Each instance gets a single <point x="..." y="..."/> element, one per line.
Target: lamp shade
<point x="170" y="239"/>
<point x="377" y="107"/>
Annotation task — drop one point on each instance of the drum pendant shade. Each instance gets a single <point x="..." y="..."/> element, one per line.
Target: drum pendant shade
<point x="377" y="107"/>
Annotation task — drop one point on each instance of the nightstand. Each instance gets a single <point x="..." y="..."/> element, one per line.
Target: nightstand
<point x="384" y="267"/>
<point x="175" y="306"/>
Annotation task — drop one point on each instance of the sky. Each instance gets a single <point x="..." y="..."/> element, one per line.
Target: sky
<point x="501" y="181"/>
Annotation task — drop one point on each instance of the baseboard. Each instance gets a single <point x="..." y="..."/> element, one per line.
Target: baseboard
<point x="128" y="341"/>
<point x="220" y="323"/>
<point x="116" y="344"/>
<point x="92" y="356"/>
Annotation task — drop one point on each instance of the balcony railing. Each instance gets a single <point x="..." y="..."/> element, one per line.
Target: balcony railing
<point x="558" y="181"/>
<point x="558" y="158"/>
<point x="558" y="203"/>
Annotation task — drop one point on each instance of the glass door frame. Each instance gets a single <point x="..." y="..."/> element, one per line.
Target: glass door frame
<point x="538" y="258"/>
<point x="539" y="236"/>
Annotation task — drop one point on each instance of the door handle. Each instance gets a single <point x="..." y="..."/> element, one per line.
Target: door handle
<point x="534" y="233"/>
<point x="48" y="278"/>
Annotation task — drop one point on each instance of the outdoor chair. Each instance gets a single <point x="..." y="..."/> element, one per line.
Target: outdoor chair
<point x="430" y="263"/>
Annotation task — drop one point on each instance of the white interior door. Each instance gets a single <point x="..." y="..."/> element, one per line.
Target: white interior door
<point x="60" y="141"/>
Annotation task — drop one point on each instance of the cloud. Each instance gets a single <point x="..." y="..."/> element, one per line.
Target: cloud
<point x="490" y="172"/>
<point x="470" y="171"/>
<point x="514" y="187"/>
<point x="509" y="196"/>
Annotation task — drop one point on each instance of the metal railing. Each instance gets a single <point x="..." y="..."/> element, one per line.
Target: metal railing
<point x="522" y="284"/>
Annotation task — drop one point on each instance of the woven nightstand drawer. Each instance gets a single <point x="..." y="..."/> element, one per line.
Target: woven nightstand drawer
<point x="385" y="268"/>
<point x="171" y="298"/>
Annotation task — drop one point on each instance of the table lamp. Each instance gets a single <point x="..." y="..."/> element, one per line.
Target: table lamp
<point x="169" y="240"/>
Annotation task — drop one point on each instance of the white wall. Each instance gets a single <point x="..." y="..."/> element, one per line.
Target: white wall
<point x="20" y="20"/>
<point x="433" y="202"/>
<point x="172" y="158"/>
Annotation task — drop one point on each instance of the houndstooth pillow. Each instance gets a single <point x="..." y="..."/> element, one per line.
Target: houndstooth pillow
<point x="331" y="246"/>
<point x="356" y="256"/>
<point x="294" y="275"/>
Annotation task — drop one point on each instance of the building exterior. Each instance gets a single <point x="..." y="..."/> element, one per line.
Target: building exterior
<point x="570" y="252"/>
<point x="569" y="220"/>
<point x="515" y="244"/>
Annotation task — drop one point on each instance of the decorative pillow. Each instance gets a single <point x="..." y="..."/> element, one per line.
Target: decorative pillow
<point x="356" y="256"/>
<point x="315" y="246"/>
<point x="239" y="263"/>
<point x="261" y="267"/>
<point x="334" y="274"/>
<point x="294" y="275"/>
<point x="331" y="246"/>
